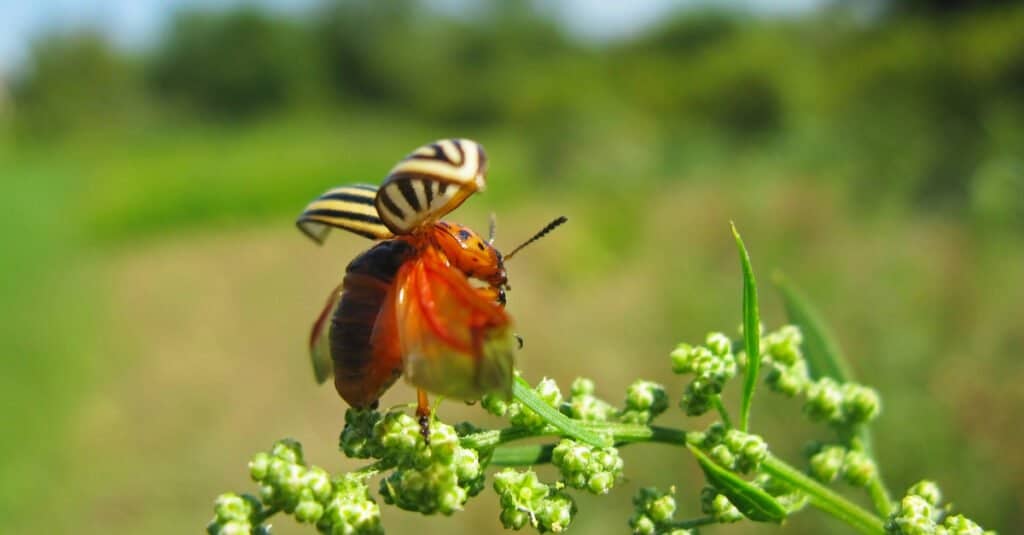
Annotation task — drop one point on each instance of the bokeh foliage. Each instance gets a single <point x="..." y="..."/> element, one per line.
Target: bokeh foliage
<point x="872" y="153"/>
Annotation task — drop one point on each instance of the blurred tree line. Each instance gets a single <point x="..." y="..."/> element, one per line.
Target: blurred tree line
<point x="919" y="103"/>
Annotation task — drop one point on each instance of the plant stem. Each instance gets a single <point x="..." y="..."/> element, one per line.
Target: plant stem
<point x="823" y="497"/>
<point x="694" y="522"/>
<point x="266" y="513"/>
<point x="720" y="407"/>
<point x="876" y="487"/>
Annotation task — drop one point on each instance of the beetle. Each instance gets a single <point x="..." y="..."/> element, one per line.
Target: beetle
<point x="406" y="306"/>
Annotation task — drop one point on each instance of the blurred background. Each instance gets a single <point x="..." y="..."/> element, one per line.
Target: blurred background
<point x="155" y="297"/>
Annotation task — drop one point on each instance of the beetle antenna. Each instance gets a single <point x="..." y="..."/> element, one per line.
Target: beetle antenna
<point x="547" y="228"/>
<point x="493" y="226"/>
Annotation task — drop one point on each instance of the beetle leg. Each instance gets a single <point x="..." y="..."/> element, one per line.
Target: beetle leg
<point x="423" y="412"/>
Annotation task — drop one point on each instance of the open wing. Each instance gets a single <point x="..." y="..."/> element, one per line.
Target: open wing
<point x="346" y="207"/>
<point x="455" y="342"/>
<point x="319" y="342"/>
<point x="430" y="182"/>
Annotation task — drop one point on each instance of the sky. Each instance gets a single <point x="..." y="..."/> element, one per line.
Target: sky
<point x="134" y="23"/>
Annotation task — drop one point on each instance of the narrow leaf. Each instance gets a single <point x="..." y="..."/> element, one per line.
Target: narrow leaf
<point x="824" y="358"/>
<point x="751" y="331"/>
<point x="524" y="393"/>
<point x="752" y="501"/>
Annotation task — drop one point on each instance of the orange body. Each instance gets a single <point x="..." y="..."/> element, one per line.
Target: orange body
<point x="406" y="306"/>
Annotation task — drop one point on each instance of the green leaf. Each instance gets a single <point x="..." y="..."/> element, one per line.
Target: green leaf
<point x="751" y="331"/>
<point x="824" y="359"/>
<point x="525" y="394"/>
<point x="752" y="501"/>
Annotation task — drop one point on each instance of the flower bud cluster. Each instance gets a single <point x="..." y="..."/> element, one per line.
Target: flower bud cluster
<point x="843" y="404"/>
<point x="438" y="478"/>
<point x="357" y="439"/>
<point x="787" y="369"/>
<point x="653" y="513"/>
<point x="517" y="414"/>
<point x="342" y="505"/>
<point x="644" y="401"/>
<point x="711" y="365"/>
<point x="731" y="448"/>
<point x="830" y="461"/>
<point x="235" y="515"/>
<point x="526" y="500"/>
<point x="584" y="405"/>
<point x="717" y="506"/>
<point x="919" y="513"/>
<point x="586" y="467"/>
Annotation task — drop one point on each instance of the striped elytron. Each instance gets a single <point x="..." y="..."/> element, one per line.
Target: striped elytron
<point x="406" y="306"/>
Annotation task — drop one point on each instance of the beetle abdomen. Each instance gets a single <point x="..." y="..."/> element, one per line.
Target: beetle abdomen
<point x="361" y="371"/>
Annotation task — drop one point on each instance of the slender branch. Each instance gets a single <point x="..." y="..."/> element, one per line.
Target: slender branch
<point x="264" y="514"/>
<point x="876" y="487"/>
<point x="820" y="496"/>
<point x="722" y="411"/>
<point x="694" y="522"/>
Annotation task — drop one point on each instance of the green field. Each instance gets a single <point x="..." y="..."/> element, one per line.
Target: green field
<point x="156" y="297"/>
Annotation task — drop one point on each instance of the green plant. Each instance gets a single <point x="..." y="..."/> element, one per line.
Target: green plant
<point x="744" y="480"/>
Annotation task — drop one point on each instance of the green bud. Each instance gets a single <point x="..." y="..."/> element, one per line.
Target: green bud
<point x="662" y="509"/>
<point x="961" y="525"/>
<point x="824" y="400"/>
<point x="287" y="450"/>
<point x="601" y="483"/>
<point x="718" y="506"/>
<point x="443" y="441"/>
<point x="647" y="396"/>
<point x="682" y="360"/>
<point x="259" y="465"/>
<point x="749" y="449"/>
<point x="722" y="455"/>
<point x="783" y="346"/>
<point x="827" y="463"/>
<point x="860" y="403"/>
<point x="715" y="434"/>
<point x="718" y="343"/>
<point x="914" y="516"/>
<point x="232" y="507"/>
<point x="586" y="467"/>
<point x="788" y="380"/>
<point x="927" y="490"/>
<point x="524" y="500"/>
<point x="318" y="481"/>
<point x="548" y="390"/>
<point x="642" y="525"/>
<point x="513" y="519"/>
<point x="357" y="438"/>
<point x="350" y="509"/>
<point x="398" y="436"/>
<point x="556" y="513"/>
<point x="858" y="469"/>
<point x="308" y="511"/>
<point x="581" y="386"/>
<point x="588" y="408"/>
<point x="494" y="404"/>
